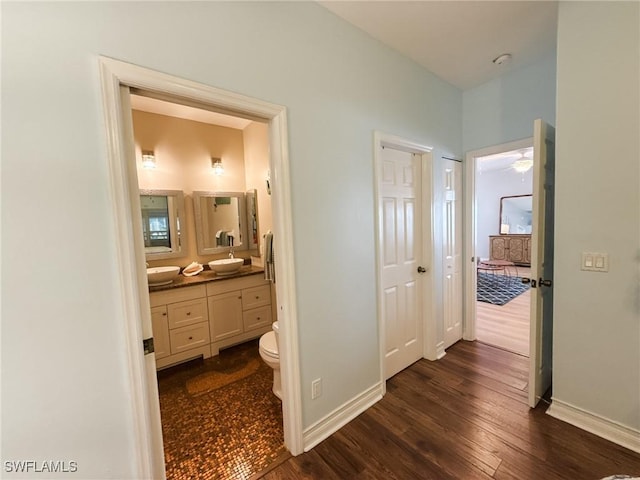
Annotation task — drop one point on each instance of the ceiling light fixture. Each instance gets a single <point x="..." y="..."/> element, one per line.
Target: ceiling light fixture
<point x="523" y="164"/>
<point x="148" y="159"/>
<point x="504" y="58"/>
<point x="216" y="164"/>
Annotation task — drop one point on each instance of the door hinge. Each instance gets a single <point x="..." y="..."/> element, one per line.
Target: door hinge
<point x="147" y="344"/>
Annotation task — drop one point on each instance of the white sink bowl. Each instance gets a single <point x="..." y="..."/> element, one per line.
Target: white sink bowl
<point x="157" y="276"/>
<point x="226" y="266"/>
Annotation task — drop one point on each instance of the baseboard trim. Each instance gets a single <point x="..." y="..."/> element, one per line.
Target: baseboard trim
<point x="342" y="415"/>
<point x="600" y="426"/>
<point x="440" y="351"/>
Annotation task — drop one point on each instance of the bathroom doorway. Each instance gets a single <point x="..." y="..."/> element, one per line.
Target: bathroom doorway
<point x="229" y="389"/>
<point x="119" y="79"/>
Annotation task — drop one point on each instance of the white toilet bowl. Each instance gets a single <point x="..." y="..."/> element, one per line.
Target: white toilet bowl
<point x="271" y="356"/>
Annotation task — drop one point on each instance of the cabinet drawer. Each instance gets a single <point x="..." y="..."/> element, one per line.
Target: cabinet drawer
<point x="191" y="336"/>
<point x="256" y="318"/>
<point x="256" y="297"/>
<point x="187" y="313"/>
<point x="177" y="295"/>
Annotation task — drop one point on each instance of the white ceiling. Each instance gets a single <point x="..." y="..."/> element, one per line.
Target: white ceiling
<point x="160" y="107"/>
<point x="458" y="40"/>
<point x="502" y="161"/>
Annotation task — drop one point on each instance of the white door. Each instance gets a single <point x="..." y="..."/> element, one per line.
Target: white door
<point x="452" y="252"/>
<point x="400" y="214"/>
<point x="540" y="339"/>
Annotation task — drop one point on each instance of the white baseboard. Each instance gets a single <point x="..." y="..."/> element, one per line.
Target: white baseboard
<point x="440" y="351"/>
<point x="602" y="427"/>
<point x="342" y="415"/>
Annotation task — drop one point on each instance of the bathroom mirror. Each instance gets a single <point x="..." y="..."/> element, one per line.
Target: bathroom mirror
<point x="162" y="214"/>
<point x="515" y="215"/>
<point x="221" y="219"/>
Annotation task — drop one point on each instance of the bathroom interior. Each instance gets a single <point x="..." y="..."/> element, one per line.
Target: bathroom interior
<point x="206" y="223"/>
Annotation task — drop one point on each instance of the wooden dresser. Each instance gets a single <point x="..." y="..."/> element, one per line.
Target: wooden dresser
<point x="513" y="248"/>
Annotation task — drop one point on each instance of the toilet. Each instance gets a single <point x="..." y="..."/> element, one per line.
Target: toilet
<point x="271" y="356"/>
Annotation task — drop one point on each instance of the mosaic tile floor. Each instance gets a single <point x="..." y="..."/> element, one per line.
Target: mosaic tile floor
<point x="220" y="419"/>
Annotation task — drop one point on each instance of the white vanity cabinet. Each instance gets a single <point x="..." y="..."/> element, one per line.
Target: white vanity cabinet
<point x="180" y="322"/>
<point x="239" y="310"/>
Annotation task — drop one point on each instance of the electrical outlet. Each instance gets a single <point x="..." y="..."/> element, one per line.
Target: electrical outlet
<point x="316" y="388"/>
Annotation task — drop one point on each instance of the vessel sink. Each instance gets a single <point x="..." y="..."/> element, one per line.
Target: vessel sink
<point x="226" y="266"/>
<point x="157" y="276"/>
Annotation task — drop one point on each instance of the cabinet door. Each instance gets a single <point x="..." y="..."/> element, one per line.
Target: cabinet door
<point x="499" y="248"/>
<point x="160" y="326"/>
<point x="527" y="250"/>
<point x="257" y="318"/>
<point x="516" y="249"/>
<point x="225" y="315"/>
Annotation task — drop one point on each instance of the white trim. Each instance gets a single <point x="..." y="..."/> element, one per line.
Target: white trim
<point x="596" y="424"/>
<point x="381" y="139"/>
<point x="470" y="230"/>
<point x="440" y="351"/>
<point x="342" y="415"/>
<point x="145" y="407"/>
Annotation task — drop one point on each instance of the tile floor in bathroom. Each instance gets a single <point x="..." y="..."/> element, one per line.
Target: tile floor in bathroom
<point x="220" y="419"/>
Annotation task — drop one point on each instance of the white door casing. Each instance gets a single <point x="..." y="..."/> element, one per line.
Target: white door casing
<point x="117" y="78"/>
<point x="452" y="251"/>
<point x="541" y="324"/>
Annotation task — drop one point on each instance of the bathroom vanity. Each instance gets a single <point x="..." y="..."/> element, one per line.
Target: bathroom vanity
<point x="197" y="316"/>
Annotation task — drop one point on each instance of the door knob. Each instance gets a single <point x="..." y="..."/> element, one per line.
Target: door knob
<point x="421" y="269"/>
<point x="544" y="283"/>
<point x="529" y="281"/>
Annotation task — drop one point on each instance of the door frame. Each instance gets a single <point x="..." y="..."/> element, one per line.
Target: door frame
<point x="470" y="230"/>
<point x="130" y="270"/>
<point x="381" y="139"/>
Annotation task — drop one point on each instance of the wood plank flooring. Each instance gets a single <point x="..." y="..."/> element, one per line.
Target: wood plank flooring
<point x="462" y="417"/>
<point x="506" y="326"/>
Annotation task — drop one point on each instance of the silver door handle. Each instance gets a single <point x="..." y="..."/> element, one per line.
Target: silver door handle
<point x="421" y="269"/>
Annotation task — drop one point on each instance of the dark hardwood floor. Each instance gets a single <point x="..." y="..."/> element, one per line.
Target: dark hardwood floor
<point x="463" y="417"/>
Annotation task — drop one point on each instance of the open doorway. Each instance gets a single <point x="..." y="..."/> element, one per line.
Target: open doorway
<point x="118" y="81"/>
<point x="219" y="416"/>
<point x="497" y="305"/>
<point x="504" y="186"/>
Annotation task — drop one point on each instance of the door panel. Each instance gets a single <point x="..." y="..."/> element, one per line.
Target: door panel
<point x="401" y="237"/>
<point x="542" y="262"/>
<point x="452" y="252"/>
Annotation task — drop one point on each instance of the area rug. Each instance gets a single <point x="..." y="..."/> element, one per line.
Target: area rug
<point x="499" y="289"/>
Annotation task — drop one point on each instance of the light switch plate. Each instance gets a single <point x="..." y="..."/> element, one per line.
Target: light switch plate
<point x="595" y="262"/>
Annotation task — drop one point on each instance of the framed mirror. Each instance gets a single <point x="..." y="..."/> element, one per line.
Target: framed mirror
<point x="163" y="215"/>
<point x="221" y="219"/>
<point x="516" y="214"/>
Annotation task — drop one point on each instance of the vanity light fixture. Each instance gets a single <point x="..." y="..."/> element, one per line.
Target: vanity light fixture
<point x="216" y="164"/>
<point x="523" y="164"/>
<point x="148" y="159"/>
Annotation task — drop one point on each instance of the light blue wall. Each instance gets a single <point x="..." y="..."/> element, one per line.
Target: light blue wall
<point x="503" y="110"/>
<point x="64" y="394"/>
<point x="596" y="335"/>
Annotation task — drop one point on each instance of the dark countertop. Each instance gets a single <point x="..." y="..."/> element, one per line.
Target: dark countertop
<point x="207" y="276"/>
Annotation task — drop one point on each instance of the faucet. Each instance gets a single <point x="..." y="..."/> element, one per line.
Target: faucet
<point x="231" y="252"/>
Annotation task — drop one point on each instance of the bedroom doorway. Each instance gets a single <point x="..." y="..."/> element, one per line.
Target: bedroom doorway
<point x="502" y="244"/>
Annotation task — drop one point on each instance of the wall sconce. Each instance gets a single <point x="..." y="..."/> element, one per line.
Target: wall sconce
<point x="216" y="164"/>
<point x="148" y="159"/>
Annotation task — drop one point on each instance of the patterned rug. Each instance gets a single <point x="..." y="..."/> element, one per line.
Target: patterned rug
<point x="499" y="289"/>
